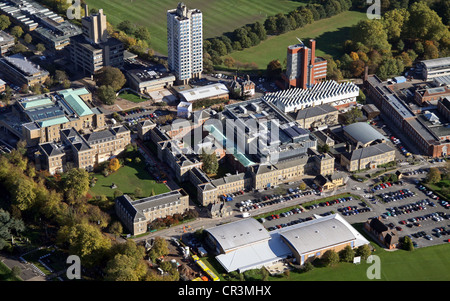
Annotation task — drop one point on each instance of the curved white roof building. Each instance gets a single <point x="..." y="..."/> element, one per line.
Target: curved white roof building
<point x="246" y="244"/>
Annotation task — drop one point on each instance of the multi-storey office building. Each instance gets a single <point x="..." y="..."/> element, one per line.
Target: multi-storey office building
<point x="185" y="42"/>
<point x="435" y="68"/>
<point x="19" y="70"/>
<point x="338" y="95"/>
<point x="94" y="48"/>
<point x="42" y="118"/>
<point x="6" y="42"/>
<point x="304" y="69"/>
<point x="83" y="151"/>
<point x="40" y="22"/>
<point x="430" y="142"/>
<point x="135" y="215"/>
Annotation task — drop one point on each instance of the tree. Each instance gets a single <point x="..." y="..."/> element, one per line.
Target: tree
<point x="352" y="115"/>
<point x="27" y="38"/>
<point x="274" y="69"/>
<point x="124" y="268"/>
<point x="372" y="34"/>
<point x="434" y="176"/>
<point x="430" y="51"/>
<point x="219" y="46"/>
<point x="126" y="26"/>
<point x="110" y="76"/>
<point x="210" y="163"/>
<point x="4" y="22"/>
<point x="302" y="186"/>
<point x="116" y="228"/>
<point x="76" y="184"/>
<point x="142" y="33"/>
<point x="393" y="22"/>
<point x="9" y="226"/>
<point x="19" y="48"/>
<point x="60" y="76"/>
<point x="159" y="248"/>
<point x="40" y="47"/>
<point x="114" y="165"/>
<point x="363" y="251"/>
<point x="270" y="24"/>
<point x="390" y="67"/>
<point x="97" y="217"/>
<point x="330" y="258"/>
<point x="424" y="23"/>
<point x="260" y="31"/>
<point x="282" y="23"/>
<point x="84" y="240"/>
<point x="229" y="61"/>
<point x="36" y="89"/>
<point x="66" y="84"/>
<point x="407" y="244"/>
<point x="23" y="193"/>
<point x="347" y="254"/>
<point x="17" y="31"/>
<point x="106" y="94"/>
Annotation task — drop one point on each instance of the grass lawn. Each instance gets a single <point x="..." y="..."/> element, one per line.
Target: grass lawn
<point x="127" y="179"/>
<point x="329" y="34"/>
<point x="438" y="188"/>
<point x="132" y="97"/>
<point x="5" y="273"/>
<point x="218" y="16"/>
<point x="423" y="264"/>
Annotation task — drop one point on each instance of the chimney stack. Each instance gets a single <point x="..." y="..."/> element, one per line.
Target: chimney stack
<point x="86" y="10"/>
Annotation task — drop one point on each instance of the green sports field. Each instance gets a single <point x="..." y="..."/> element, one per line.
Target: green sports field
<point x="219" y="16"/>
<point x="329" y="34"/>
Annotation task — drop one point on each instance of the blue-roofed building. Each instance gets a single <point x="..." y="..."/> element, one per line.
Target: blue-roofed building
<point x="42" y="117"/>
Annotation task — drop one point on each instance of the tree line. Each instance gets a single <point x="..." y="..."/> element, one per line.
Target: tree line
<point x="214" y="49"/>
<point x="406" y="31"/>
<point x="63" y="213"/>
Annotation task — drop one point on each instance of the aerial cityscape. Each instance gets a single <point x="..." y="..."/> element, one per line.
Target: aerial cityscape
<point x="216" y="141"/>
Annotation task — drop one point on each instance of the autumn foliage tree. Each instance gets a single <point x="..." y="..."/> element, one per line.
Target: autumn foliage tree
<point x="114" y="165"/>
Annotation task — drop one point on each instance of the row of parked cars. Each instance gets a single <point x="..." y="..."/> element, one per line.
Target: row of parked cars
<point x="329" y="203"/>
<point x="429" y="193"/>
<point x="416" y="172"/>
<point x="290" y="223"/>
<point x="409" y="208"/>
<point x="393" y="196"/>
<point x="353" y="210"/>
<point x="386" y="185"/>
<point x="271" y="200"/>
<point x="283" y="214"/>
<point x="435" y="216"/>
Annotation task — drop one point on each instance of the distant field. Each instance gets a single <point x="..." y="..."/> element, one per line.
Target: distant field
<point x="219" y="16"/>
<point x="329" y="34"/>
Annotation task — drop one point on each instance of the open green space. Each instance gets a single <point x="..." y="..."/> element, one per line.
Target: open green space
<point x="5" y="273"/>
<point x="129" y="177"/>
<point x="130" y="96"/>
<point x="423" y="264"/>
<point x="329" y="34"/>
<point x="218" y="16"/>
